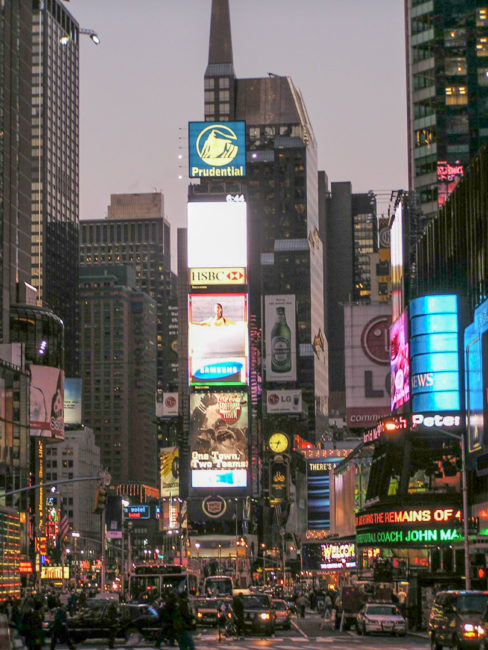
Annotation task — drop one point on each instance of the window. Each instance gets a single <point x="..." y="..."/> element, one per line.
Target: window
<point x="482" y="46"/>
<point x="456" y="66"/>
<point x="224" y="95"/>
<point x="482" y="16"/>
<point x="456" y="124"/>
<point x="209" y="83"/>
<point x="456" y="95"/>
<point x="482" y="76"/>
<point x="224" y="82"/>
<point x="209" y="96"/>
<point x="455" y="38"/>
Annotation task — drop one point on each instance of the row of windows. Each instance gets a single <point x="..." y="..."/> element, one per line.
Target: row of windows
<point x="120" y="233"/>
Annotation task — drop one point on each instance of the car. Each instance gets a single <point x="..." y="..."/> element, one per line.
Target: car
<point x="456" y="619"/>
<point x="97" y="621"/>
<point x="259" y="614"/>
<point x="207" y="610"/>
<point x="380" y="617"/>
<point x="282" y="613"/>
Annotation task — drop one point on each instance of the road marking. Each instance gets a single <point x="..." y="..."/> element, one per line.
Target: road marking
<point x="299" y="630"/>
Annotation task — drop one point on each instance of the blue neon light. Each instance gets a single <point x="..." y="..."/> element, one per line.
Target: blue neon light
<point x="434" y="349"/>
<point x="213" y="371"/>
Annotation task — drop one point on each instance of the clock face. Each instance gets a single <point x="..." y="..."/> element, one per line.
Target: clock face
<point x="278" y="442"/>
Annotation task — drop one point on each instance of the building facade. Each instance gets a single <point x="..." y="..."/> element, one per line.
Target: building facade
<point x="118" y="324"/>
<point x="55" y="167"/>
<point x="447" y="93"/>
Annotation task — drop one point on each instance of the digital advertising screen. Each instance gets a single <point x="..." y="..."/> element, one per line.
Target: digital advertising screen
<point x="72" y="400"/>
<point x="434" y="354"/>
<point x="399" y="363"/>
<point x="217" y="235"/>
<point x="396" y="256"/>
<point x="318" y="492"/>
<point x="280" y="332"/>
<point x="170" y="471"/>
<point x="218" y="339"/>
<point x="47" y="402"/>
<point x="219" y="440"/>
<point x="216" y="149"/>
<point x="448" y="177"/>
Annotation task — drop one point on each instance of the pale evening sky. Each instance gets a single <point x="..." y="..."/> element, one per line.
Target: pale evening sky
<point x="144" y="82"/>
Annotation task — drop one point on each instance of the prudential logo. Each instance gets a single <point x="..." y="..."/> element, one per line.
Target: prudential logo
<point x="217" y="149"/>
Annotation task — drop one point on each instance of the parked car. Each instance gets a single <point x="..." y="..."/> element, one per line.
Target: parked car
<point x="380" y="617"/>
<point x="259" y="614"/>
<point x="96" y="622"/>
<point x="456" y="619"/>
<point x="282" y="614"/>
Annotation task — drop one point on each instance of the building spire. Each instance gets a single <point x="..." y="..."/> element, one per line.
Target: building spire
<point x="220" y="46"/>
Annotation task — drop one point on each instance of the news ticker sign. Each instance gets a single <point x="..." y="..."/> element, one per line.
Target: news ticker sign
<point x="414" y="536"/>
<point x="421" y="516"/>
<point x="420" y="422"/>
<point x="214" y="276"/>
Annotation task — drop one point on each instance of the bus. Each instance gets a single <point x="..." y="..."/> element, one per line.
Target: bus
<point x="218" y="586"/>
<point x="149" y="581"/>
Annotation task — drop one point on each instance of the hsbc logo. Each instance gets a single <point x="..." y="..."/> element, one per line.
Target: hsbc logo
<point x="212" y="276"/>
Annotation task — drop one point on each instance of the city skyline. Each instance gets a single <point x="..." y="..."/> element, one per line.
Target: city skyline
<point x="130" y="143"/>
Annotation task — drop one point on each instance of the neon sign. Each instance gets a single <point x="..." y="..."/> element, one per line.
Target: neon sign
<point x="409" y="536"/>
<point x="338" y="556"/>
<point x="409" y="516"/>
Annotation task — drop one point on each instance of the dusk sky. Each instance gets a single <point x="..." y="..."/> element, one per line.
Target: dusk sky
<point x="141" y="86"/>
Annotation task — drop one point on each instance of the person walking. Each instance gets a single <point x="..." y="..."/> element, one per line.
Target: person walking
<point x="184" y="623"/>
<point x="166" y="619"/>
<point x="60" y="629"/>
<point x="301" y="603"/>
<point x="238" y="609"/>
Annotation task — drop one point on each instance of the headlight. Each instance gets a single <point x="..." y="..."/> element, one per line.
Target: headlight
<point x="264" y="616"/>
<point x="471" y="631"/>
<point x="199" y="614"/>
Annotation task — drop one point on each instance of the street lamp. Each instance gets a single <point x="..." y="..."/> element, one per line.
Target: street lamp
<point x="125" y="504"/>
<point x="66" y="38"/>
<point x="263" y="549"/>
<point x="76" y="558"/>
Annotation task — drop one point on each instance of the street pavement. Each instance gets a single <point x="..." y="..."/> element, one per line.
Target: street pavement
<point x="305" y="633"/>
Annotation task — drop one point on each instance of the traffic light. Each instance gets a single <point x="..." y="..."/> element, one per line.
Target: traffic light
<point x="478" y="569"/>
<point x="100" y="498"/>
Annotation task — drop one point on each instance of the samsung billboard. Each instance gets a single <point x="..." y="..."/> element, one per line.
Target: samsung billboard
<point x="218" y="339"/>
<point x="216" y="149"/>
<point x="219" y="440"/>
<point x="434" y="354"/>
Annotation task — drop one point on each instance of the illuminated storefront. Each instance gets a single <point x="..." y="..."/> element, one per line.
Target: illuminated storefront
<point x="9" y="553"/>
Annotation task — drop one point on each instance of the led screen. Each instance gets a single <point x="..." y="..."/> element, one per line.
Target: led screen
<point x="217" y="235"/>
<point x="280" y="338"/>
<point x="219" y="440"/>
<point x="218" y="339"/>
<point x="399" y="363"/>
<point x="396" y="254"/>
<point x="216" y="149"/>
<point x="170" y="471"/>
<point x="72" y="400"/>
<point x="434" y="347"/>
<point x="318" y="492"/>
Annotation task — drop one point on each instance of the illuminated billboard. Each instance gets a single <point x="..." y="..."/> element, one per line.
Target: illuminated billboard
<point x="396" y="257"/>
<point x="280" y="336"/>
<point x="318" y="491"/>
<point x="47" y="402"/>
<point x="434" y="354"/>
<point x="476" y="380"/>
<point x="448" y="177"/>
<point x="399" y="363"/>
<point x="170" y="471"/>
<point x="219" y="440"/>
<point x="217" y="235"/>
<point x="218" y="339"/>
<point x="216" y="149"/>
<point x="72" y="400"/>
<point x="367" y="361"/>
<point x="215" y="276"/>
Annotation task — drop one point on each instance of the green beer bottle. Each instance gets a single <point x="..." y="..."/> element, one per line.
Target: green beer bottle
<point x="280" y="343"/>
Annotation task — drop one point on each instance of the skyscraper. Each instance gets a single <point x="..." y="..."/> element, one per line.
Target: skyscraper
<point x="55" y="167"/>
<point x="281" y="190"/>
<point x="447" y="93"/>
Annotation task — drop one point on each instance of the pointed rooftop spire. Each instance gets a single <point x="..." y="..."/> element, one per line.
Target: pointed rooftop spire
<point x="220" y="45"/>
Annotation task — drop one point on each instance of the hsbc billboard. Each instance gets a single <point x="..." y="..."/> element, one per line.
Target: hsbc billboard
<point x="367" y="357"/>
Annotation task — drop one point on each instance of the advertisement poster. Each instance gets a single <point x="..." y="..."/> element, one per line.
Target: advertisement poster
<point x="218" y="338"/>
<point x="284" y="401"/>
<point x="47" y="402"/>
<point x="166" y="405"/>
<point x="280" y="333"/>
<point x="217" y="235"/>
<point x="448" y="177"/>
<point x="219" y="440"/>
<point x="72" y="400"/>
<point x="170" y="471"/>
<point x="367" y="357"/>
<point x="318" y="492"/>
<point x="399" y="363"/>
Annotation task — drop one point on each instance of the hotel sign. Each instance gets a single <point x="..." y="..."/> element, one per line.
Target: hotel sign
<point x="213" y="276"/>
<point x="217" y="149"/>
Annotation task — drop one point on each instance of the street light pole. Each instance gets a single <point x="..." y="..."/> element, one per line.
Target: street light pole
<point x="467" y="567"/>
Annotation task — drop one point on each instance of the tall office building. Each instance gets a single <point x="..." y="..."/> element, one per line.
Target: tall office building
<point x="281" y="190"/>
<point x="15" y="154"/>
<point x="137" y="233"/>
<point x="55" y="167"/>
<point x="118" y="368"/>
<point x="447" y="93"/>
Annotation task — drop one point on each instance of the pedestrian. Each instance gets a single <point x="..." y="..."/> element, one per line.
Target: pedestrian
<point x="32" y="626"/>
<point x="60" y="629"/>
<point x="184" y="623"/>
<point x="166" y="619"/>
<point x="301" y="603"/>
<point x="238" y="609"/>
<point x="113" y="625"/>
